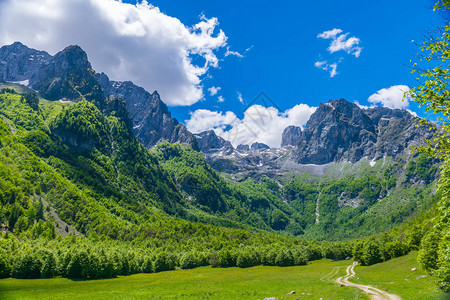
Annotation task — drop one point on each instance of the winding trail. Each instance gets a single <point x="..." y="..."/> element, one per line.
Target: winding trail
<point x="374" y="293"/>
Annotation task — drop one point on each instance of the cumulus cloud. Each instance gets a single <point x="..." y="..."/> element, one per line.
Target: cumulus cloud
<point x="220" y="99"/>
<point x="127" y="42"/>
<point x="330" y="34"/>
<point x="363" y="106"/>
<point x="341" y="41"/>
<point x="324" y="65"/>
<point x="392" y="97"/>
<point x="203" y="119"/>
<point x="259" y="124"/>
<point x="214" y="90"/>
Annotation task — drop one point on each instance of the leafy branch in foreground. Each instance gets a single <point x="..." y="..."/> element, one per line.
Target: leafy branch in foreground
<point x="433" y="94"/>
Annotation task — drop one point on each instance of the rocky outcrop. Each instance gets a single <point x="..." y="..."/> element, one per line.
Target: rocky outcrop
<point x="258" y="146"/>
<point x="68" y="75"/>
<point x="397" y="131"/>
<point x="208" y="142"/>
<point x="18" y="63"/>
<point x="341" y="131"/>
<point x="151" y="118"/>
<point x="243" y="148"/>
<point x="291" y="136"/>
<point x="337" y="130"/>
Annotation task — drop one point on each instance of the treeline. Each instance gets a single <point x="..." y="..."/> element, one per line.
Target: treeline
<point x="78" y="257"/>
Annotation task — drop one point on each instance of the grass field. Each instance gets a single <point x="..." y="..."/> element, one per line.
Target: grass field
<point x="314" y="281"/>
<point x="396" y="276"/>
<point x="201" y="283"/>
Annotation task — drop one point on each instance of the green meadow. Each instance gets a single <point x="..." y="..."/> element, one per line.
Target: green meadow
<point x="402" y="276"/>
<point x="313" y="281"/>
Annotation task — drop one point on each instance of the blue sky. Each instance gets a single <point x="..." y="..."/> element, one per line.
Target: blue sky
<point x="180" y="49"/>
<point x="285" y="48"/>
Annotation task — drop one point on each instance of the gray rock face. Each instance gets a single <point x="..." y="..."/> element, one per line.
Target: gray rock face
<point x="291" y="136"/>
<point x="337" y="130"/>
<point x="397" y="130"/>
<point x="341" y="131"/>
<point x="152" y="120"/>
<point x="20" y="63"/>
<point x="209" y="142"/>
<point x="243" y="148"/>
<point x="258" y="146"/>
<point x="69" y="75"/>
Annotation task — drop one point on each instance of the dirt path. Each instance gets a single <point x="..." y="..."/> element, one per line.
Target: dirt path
<point x="374" y="293"/>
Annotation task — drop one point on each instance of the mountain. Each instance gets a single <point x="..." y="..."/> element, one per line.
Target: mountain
<point x="208" y="141"/>
<point x="18" y="63"/>
<point x="152" y="120"/>
<point x="341" y="131"/>
<point x="69" y="76"/>
<point x="259" y="146"/>
<point x="337" y="132"/>
<point x="80" y="168"/>
<point x="339" y="135"/>
<point x="291" y="136"/>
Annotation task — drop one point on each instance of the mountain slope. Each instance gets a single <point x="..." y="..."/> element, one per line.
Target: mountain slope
<point x="69" y="76"/>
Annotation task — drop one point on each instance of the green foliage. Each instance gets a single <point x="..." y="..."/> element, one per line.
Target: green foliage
<point x="188" y="261"/>
<point x="32" y="99"/>
<point x="83" y="126"/>
<point x="428" y="256"/>
<point x="134" y="210"/>
<point x="433" y="94"/>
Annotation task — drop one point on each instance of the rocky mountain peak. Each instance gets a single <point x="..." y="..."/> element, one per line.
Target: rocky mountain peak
<point x="291" y="136"/>
<point x="243" y="148"/>
<point x="151" y="118"/>
<point x="68" y="75"/>
<point x="18" y="63"/>
<point x="208" y="141"/>
<point x="258" y="146"/>
<point x="71" y="59"/>
<point x="378" y="113"/>
<point x="337" y="130"/>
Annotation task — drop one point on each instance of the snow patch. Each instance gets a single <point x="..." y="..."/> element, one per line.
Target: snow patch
<point x="23" y="82"/>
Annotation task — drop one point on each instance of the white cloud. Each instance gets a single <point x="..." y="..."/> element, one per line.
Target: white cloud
<point x="321" y="64"/>
<point x="128" y="42"/>
<point x="348" y="45"/>
<point x="363" y="106"/>
<point x="391" y="97"/>
<point x="239" y="96"/>
<point x="234" y="53"/>
<point x="324" y="65"/>
<point x="330" y="34"/>
<point x="340" y="41"/>
<point x="214" y="90"/>
<point x="220" y="99"/>
<point x="333" y="68"/>
<point x="237" y="54"/>
<point x="203" y="119"/>
<point x="259" y="124"/>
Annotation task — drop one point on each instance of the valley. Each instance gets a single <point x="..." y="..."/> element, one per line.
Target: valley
<point x="314" y="281"/>
<point x="105" y="194"/>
